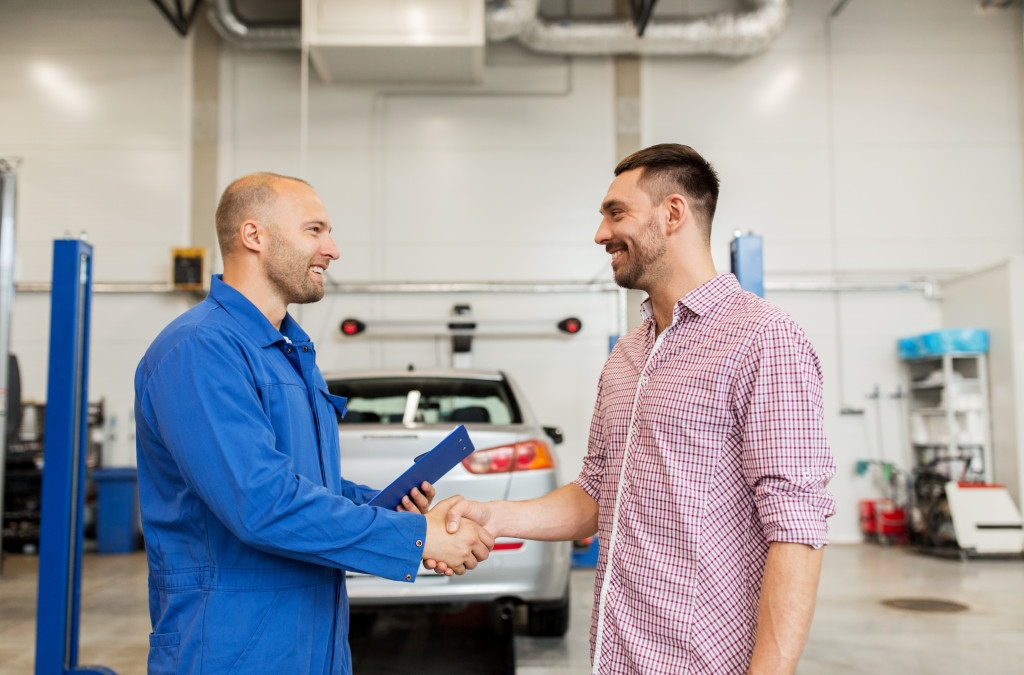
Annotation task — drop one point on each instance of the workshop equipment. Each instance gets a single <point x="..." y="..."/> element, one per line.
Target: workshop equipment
<point x="985" y="519"/>
<point x="60" y="545"/>
<point x="189" y="268"/>
<point x="962" y="517"/>
<point x="746" y="261"/>
<point x="117" y="520"/>
<point x="8" y="193"/>
<point x="461" y="328"/>
<point x="957" y="506"/>
<point x="885" y="520"/>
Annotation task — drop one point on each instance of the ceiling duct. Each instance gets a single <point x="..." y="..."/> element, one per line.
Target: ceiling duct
<point x="723" y="33"/>
<point x="258" y="36"/>
<point x="739" y="33"/>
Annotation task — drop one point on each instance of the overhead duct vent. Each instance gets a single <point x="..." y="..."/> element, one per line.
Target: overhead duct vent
<point x="734" y="33"/>
<point x="395" y="41"/>
<point x="417" y="40"/>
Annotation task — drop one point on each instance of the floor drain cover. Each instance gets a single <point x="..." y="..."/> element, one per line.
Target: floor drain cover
<point x="925" y="605"/>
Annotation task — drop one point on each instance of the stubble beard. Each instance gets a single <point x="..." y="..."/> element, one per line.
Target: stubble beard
<point x="288" y="270"/>
<point x="638" y="270"/>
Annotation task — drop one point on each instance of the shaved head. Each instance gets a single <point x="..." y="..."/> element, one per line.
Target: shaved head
<point x="251" y="197"/>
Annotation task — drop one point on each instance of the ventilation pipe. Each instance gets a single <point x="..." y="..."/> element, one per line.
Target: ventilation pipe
<point x="264" y="36"/>
<point x="723" y="33"/>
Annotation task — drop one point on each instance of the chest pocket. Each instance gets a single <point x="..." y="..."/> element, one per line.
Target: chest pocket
<point x="287" y="407"/>
<point x="337" y="403"/>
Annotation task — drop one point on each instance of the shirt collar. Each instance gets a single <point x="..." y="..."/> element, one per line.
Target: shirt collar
<point x="700" y="300"/>
<point x="250" y="318"/>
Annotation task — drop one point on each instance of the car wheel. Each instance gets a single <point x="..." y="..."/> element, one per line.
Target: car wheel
<point x="548" y="619"/>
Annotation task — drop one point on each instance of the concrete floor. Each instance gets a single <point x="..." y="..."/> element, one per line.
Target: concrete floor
<point x="853" y="632"/>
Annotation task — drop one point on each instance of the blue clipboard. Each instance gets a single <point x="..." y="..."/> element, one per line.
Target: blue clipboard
<point x="428" y="467"/>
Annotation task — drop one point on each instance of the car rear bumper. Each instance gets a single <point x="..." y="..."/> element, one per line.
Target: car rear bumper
<point x="536" y="572"/>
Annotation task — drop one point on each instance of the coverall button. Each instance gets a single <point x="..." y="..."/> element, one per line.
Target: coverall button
<point x="419" y="542"/>
<point x="289" y="350"/>
<point x="408" y="577"/>
<point x="305" y="349"/>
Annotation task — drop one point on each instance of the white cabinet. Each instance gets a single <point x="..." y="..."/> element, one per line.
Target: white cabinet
<point x="949" y="415"/>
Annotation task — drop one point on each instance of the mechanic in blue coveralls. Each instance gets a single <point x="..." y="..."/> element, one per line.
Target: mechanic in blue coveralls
<point x="248" y="524"/>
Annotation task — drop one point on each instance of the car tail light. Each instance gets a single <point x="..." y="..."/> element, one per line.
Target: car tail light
<point x="523" y="456"/>
<point x="507" y="546"/>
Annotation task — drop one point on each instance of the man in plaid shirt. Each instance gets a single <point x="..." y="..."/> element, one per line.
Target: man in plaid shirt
<point x="707" y="463"/>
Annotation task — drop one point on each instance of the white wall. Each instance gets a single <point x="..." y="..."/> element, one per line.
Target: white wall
<point x="884" y="145"/>
<point x="94" y="100"/>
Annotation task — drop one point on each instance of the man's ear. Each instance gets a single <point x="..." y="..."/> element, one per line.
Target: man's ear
<point x="252" y="235"/>
<point x="676" y="210"/>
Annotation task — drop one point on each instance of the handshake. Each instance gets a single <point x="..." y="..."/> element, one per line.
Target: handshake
<point x="457" y="534"/>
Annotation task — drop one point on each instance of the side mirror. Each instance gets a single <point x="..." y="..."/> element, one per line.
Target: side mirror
<point x="555" y="433"/>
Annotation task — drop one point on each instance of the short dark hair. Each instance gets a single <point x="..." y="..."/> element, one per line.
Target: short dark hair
<point x="671" y="167"/>
<point x="250" y="197"/>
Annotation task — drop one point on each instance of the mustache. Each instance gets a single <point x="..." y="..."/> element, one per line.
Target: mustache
<point x="611" y="247"/>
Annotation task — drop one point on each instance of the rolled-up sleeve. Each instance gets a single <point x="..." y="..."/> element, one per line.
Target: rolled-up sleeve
<point x="786" y="459"/>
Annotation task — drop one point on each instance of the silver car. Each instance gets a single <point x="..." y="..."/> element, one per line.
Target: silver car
<point x="395" y="415"/>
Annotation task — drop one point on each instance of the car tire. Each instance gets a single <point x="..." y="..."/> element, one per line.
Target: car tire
<point x="548" y="619"/>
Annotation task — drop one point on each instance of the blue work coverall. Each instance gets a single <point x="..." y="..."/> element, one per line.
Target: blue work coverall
<point x="247" y="520"/>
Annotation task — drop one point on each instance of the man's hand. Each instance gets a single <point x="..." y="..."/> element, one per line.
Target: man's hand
<point x="479" y="512"/>
<point x="463" y="510"/>
<point x="418" y="500"/>
<point x="457" y="550"/>
<point x="565" y="514"/>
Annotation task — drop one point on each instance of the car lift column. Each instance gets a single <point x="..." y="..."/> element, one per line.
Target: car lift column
<point x="63" y="494"/>
<point x="8" y="190"/>
<point x="746" y="261"/>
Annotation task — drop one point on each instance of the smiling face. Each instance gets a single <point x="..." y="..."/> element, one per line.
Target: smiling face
<point x="631" y="232"/>
<point x="301" y="246"/>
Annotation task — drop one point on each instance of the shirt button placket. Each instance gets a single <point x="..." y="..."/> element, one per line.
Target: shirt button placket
<point x="641" y="385"/>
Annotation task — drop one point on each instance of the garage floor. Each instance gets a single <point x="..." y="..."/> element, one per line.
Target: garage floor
<point x="853" y="632"/>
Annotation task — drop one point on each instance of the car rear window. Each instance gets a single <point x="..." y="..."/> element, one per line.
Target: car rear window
<point x="433" y="400"/>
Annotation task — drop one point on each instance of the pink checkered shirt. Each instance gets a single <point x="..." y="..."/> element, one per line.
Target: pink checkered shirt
<point x="706" y="445"/>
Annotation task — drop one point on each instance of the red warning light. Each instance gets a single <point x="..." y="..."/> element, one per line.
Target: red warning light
<point x="352" y="326"/>
<point x="570" y="325"/>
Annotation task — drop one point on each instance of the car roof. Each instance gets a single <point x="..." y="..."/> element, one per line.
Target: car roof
<point x="453" y="373"/>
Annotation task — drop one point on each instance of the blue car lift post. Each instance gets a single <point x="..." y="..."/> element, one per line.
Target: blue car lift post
<point x="747" y="261"/>
<point x="63" y="495"/>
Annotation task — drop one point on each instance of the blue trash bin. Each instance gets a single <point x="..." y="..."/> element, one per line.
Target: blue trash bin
<point x="117" y="494"/>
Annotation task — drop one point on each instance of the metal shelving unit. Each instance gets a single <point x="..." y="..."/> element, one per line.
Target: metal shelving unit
<point x="949" y="415"/>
